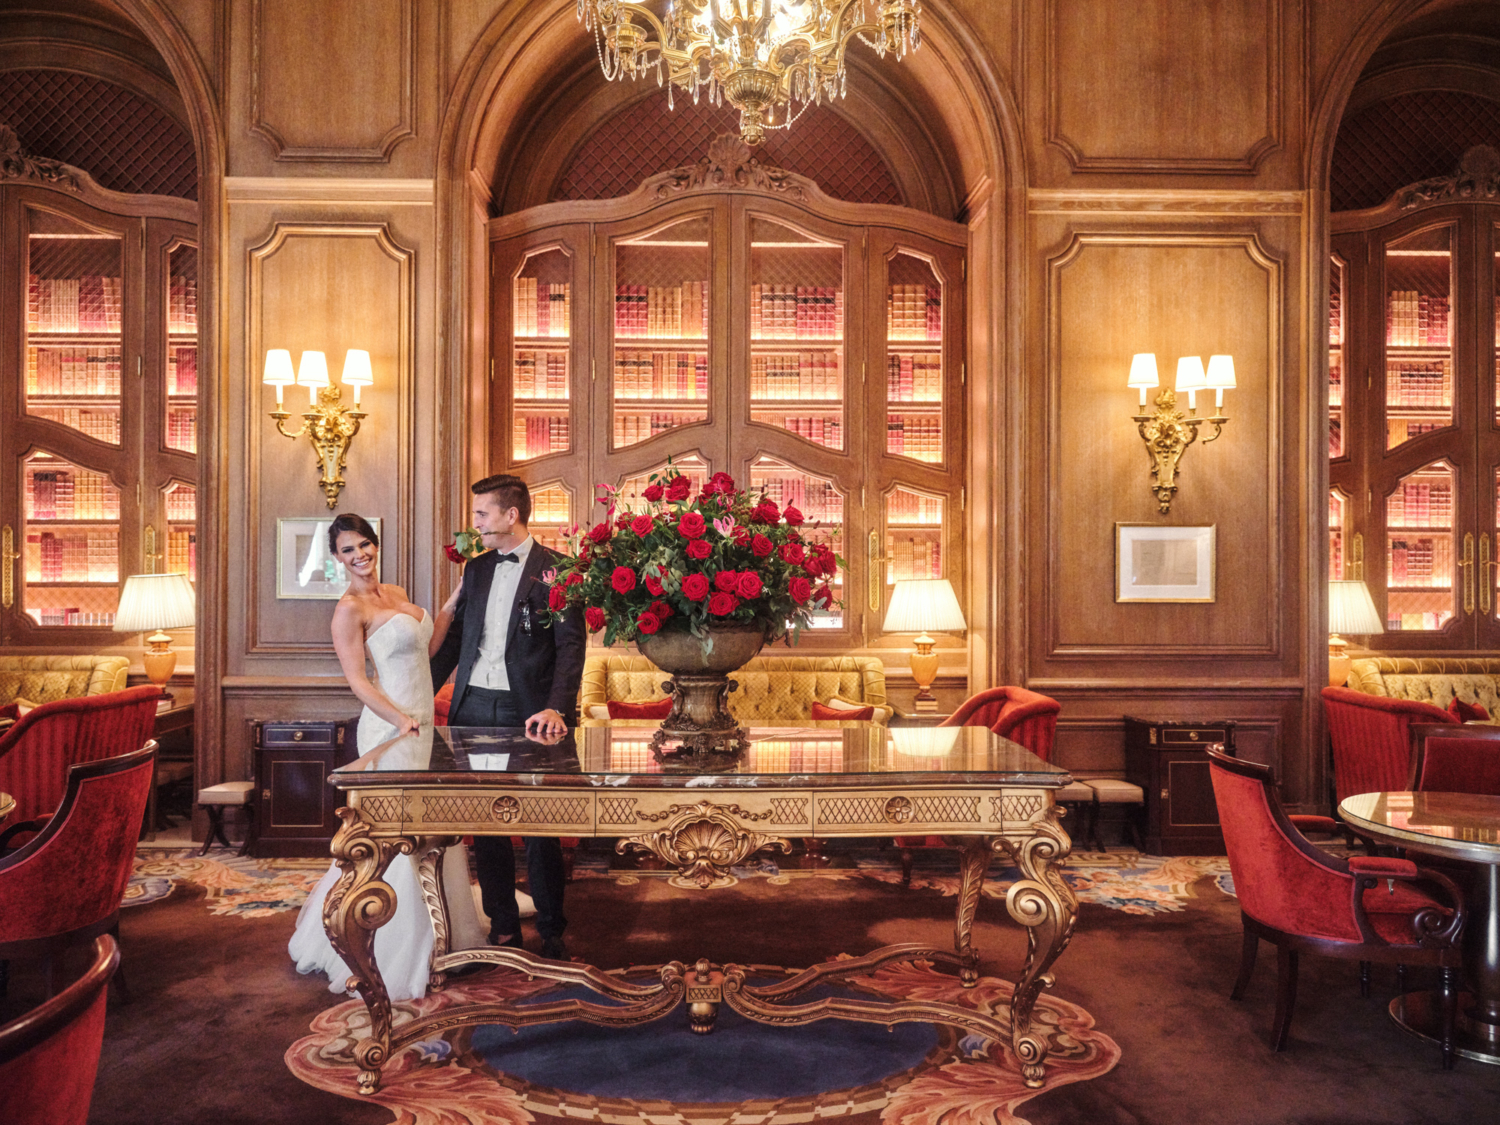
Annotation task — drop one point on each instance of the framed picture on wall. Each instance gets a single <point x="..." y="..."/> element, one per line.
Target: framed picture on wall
<point x="1164" y="564"/>
<point x="305" y="567"/>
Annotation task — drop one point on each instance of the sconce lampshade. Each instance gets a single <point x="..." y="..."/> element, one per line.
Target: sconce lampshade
<point x="357" y="371"/>
<point x="279" y="368"/>
<point x="312" y="370"/>
<point x="1221" y="372"/>
<point x="1190" y="374"/>
<point x="150" y="603"/>
<point x="922" y="604"/>
<point x="1143" y="371"/>
<point x="1350" y="610"/>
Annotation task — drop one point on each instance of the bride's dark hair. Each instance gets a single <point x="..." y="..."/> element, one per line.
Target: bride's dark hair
<point x="349" y="522"/>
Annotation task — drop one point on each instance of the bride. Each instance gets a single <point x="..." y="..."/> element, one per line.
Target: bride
<point x="399" y="636"/>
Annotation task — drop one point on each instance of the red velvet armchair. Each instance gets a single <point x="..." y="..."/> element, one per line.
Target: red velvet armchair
<point x="1371" y="737"/>
<point x="64" y="886"/>
<point x="36" y="752"/>
<point x="1022" y="716"/>
<point x="1303" y="900"/>
<point x="50" y="1056"/>
<point x="1457" y="760"/>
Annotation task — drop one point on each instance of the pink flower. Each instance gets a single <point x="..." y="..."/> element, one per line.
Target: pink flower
<point x="593" y="617"/>
<point x="695" y="587"/>
<point x="549" y="575"/>
<point x="642" y="525"/>
<point x="761" y="546"/>
<point x="722" y="604"/>
<point x="623" y="579"/>
<point x="652" y="492"/>
<point x="750" y="584"/>
<point x="647" y="623"/>
<point x="727" y="581"/>
<point x="699" y="548"/>
<point x="692" y="525"/>
<point x="557" y="599"/>
<point x="800" y="589"/>
<point x="792" y="516"/>
<point x="724" y="526"/>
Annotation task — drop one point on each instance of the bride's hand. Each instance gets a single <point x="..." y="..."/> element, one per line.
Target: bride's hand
<point x="407" y="725"/>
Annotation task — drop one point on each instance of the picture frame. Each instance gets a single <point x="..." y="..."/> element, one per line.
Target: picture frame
<point x="305" y="569"/>
<point x="1156" y="563"/>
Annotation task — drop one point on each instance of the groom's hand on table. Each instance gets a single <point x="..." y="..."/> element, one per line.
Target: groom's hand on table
<point x="546" y="727"/>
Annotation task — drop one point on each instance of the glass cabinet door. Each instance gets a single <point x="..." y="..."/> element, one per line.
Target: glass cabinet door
<point x="1419" y="334"/>
<point x="71" y="553"/>
<point x="660" y="357"/>
<point x="74" y="324"/>
<point x="914" y="359"/>
<point x="796" y="315"/>
<point x="551" y="513"/>
<point x="1335" y="358"/>
<point x="822" y="508"/>
<point x="540" y="376"/>
<point x="181" y="421"/>
<point x="1338" y="516"/>
<point x="1421" y="594"/>
<point x="180" y="501"/>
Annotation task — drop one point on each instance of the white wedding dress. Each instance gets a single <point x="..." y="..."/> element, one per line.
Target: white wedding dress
<point x="403" y="946"/>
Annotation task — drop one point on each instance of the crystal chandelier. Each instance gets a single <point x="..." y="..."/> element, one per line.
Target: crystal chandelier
<point x="755" y="54"/>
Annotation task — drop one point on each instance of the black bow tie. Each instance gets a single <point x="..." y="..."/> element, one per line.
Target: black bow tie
<point x="512" y="557"/>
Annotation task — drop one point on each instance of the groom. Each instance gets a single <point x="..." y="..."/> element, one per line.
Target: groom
<point x="514" y="669"/>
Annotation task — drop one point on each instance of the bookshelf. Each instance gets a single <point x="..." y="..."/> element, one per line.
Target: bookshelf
<point x="1414" y="419"/>
<point x="102" y="431"/>
<point x="807" y="347"/>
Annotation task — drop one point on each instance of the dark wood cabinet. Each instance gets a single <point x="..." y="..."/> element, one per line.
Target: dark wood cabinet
<point x="294" y="804"/>
<point x="1168" y="761"/>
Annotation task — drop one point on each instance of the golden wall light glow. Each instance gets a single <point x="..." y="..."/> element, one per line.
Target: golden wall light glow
<point x="327" y="422"/>
<point x="1168" y="432"/>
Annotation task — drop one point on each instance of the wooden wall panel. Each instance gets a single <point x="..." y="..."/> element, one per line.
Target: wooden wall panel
<point x="332" y="82"/>
<point x="331" y="287"/>
<point x="1164" y="86"/>
<point x="1174" y="294"/>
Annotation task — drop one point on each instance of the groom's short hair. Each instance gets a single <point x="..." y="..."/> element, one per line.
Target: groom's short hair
<point x="510" y="492"/>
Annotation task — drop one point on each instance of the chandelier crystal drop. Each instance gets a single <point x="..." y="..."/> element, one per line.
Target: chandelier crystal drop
<point x="758" y="55"/>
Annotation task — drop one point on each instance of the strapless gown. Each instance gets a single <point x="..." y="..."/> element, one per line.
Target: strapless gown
<point x="403" y="946"/>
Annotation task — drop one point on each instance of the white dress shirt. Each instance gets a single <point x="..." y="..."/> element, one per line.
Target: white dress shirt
<point x="489" y="665"/>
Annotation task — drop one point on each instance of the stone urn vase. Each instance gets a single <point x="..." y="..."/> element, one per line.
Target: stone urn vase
<point x="700" y="685"/>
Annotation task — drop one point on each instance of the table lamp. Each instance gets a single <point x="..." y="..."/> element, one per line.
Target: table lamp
<point x="1350" y="610"/>
<point x="150" y="603"/>
<point x="919" y="605"/>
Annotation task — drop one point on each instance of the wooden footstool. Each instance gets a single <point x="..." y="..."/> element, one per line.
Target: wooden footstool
<point x="228" y="794"/>
<point x="1113" y="791"/>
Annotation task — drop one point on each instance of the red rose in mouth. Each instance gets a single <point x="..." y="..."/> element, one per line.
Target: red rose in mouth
<point x="453" y="553"/>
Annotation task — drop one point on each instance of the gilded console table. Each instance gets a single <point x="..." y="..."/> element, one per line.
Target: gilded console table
<point x="417" y="794"/>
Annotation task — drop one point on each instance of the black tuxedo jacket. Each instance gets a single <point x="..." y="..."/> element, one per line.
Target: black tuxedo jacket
<point x="545" y="667"/>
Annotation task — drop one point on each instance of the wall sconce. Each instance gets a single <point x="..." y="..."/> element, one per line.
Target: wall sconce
<point x="1167" y="433"/>
<point x="327" y="422"/>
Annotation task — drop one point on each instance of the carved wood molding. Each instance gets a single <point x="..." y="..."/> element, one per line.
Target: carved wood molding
<point x="17" y="164"/>
<point x="729" y="165"/>
<point x="1475" y="180"/>
<point x="1245" y="164"/>
<point x="377" y="152"/>
<point x="1170" y="201"/>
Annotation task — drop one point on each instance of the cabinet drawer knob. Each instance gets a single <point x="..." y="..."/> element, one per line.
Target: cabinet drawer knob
<point x="1166" y="794"/>
<point x="297" y="736"/>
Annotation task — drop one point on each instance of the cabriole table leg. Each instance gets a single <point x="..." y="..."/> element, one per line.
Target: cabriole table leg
<point x="974" y="855"/>
<point x="1044" y="903"/>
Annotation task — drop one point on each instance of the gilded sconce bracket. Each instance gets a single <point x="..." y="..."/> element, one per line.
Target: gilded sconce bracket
<point x="1167" y="434"/>
<point x="330" y="426"/>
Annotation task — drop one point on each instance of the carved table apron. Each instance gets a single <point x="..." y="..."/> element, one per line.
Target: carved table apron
<point x="420" y="793"/>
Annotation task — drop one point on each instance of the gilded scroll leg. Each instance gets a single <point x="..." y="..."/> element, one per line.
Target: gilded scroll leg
<point x="1044" y="903"/>
<point x="433" y="850"/>
<point x="973" y="862"/>
<point x="358" y="905"/>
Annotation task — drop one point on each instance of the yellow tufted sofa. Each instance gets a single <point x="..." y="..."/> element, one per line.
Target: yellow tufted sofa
<point x="773" y="691"/>
<point x="41" y="679"/>
<point x="1432" y="680"/>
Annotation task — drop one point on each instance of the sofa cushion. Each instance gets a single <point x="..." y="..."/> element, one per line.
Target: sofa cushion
<point x="620" y="709"/>
<point x="42" y="679"/>
<point x="833" y="710"/>
<point x="1467" y="712"/>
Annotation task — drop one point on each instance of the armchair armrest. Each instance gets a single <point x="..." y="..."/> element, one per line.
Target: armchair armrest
<point x="34" y="825"/>
<point x="1432" y="926"/>
<point x="1385" y="866"/>
<point x="1304" y="822"/>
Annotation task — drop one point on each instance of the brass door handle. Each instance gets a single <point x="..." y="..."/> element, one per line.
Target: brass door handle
<point x="877" y="580"/>
<point x="1486" y="582"/>
<point x="1468" y="564"/>
<point x="1357" y="557"/>
<point x="8" y="557"/>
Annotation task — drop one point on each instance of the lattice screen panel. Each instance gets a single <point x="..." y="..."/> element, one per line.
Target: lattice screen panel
<point x="1396" y="142"/>
<point x="647" y="138"/>
<point x="124" y="141"/>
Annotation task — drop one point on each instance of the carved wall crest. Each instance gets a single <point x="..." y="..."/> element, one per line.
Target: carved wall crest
<point x="729" y="165"/>
<point x="17" y="164"/>
<point x="1477" y="178"/>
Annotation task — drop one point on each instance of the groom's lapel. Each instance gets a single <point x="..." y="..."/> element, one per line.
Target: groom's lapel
<point x="479" y="597"/>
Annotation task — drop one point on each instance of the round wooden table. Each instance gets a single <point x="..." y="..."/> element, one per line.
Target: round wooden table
<point x="1461" y="826"/>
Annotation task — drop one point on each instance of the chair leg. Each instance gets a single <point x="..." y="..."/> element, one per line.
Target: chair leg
<point x="1364" y="979"/>
<point x="1450" y="1006"/>
<point x="248" y="847"/>
<point x="1286" y="995"/>
<point x="1248" y="950"/>
<point x="906" y="862"/>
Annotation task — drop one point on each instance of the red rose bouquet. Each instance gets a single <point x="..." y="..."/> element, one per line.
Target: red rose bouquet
<point x="685" y="563"/>
<point x="467" y="544"/>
